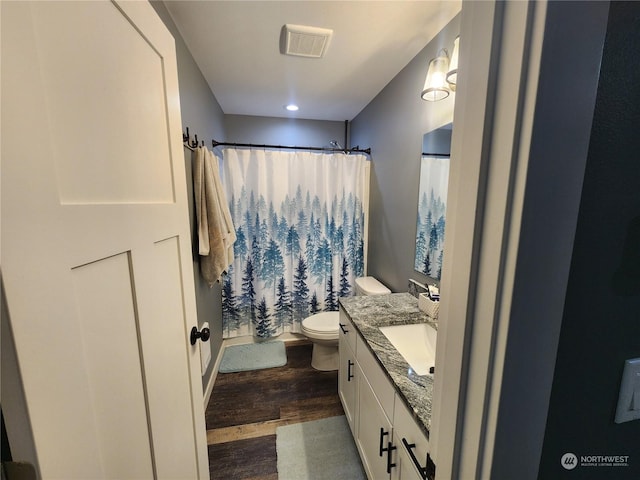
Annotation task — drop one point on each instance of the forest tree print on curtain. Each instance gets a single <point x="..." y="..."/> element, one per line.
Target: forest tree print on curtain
<point x="432" y="206"/>
<point x="299" y="221"/>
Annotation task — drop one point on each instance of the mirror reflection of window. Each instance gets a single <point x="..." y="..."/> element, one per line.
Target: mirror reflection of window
<point x="432" y="202"/>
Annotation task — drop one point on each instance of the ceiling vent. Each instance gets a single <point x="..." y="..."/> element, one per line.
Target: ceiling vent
<point x="303" y="41"/>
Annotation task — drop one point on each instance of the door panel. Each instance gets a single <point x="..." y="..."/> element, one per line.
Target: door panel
<point x="173" y="429"/>
<point x="126" y="134"/>
<point x="106" y="317"/>
<point x="96" y="255"/>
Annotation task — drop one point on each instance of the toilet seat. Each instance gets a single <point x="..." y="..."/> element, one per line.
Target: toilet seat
<point x="323" y="325"/>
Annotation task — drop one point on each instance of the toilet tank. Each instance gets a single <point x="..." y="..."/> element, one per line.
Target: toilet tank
<point x="370" y="286"/>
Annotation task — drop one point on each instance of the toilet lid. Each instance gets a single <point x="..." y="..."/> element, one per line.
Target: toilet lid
<point x="371" y="286"/>
<point x="325" y="322"/>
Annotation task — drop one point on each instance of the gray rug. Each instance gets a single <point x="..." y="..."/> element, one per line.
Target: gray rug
<point x="253" y="356"/>
<point x="318" y="450"/>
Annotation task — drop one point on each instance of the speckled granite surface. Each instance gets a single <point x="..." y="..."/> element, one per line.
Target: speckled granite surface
<point x="369" y="314"/>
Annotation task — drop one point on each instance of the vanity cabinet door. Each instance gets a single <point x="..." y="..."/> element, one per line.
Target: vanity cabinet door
<point x="374" y="433"/>
<point x="377" y="378"/>
<point x="413" y="446"/>
<point x="404" y="469"/>
<point x="347" y="375"/>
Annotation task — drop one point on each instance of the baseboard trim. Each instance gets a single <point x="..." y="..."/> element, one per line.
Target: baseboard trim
<point x="246" y="339"/>
<point x="212" y="379"/>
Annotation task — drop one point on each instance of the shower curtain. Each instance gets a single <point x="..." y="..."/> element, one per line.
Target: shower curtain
<point x="300" y="222"/>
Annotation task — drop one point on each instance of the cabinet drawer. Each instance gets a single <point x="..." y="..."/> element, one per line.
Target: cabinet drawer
<point x="348" y="330"/>
<point x="408" y="436"/>
<point x="375" y="375"/>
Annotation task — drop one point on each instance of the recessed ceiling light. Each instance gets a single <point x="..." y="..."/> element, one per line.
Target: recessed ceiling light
<point x="292" y="107"/>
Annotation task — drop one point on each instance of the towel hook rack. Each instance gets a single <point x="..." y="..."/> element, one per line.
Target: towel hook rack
<point x="190" y="144"/>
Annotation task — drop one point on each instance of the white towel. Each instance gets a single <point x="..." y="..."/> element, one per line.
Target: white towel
<point x="216" y="233"/>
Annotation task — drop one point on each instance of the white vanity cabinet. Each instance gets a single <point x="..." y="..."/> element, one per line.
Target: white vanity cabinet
<point x="390" y="443"/>
<point x="347" y="375"/>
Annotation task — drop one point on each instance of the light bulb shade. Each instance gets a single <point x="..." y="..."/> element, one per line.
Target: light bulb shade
<point x="452" y="74"/>
<point x="435" y="85"/>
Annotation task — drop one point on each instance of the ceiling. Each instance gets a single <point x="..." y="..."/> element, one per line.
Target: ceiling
<point x="236" y="45"/>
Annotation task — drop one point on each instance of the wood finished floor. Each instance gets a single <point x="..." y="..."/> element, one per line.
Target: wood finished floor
<point x="246" y="408"/>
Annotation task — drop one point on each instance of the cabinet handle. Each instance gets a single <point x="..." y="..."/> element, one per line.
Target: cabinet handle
<point x="344" y="330"/>
<point x="349" y="374"/>
<point x="389" y="448"/>
<point x="429" y="470"/>
<point x="390" y="465"/>
<point x="382" y="435"/>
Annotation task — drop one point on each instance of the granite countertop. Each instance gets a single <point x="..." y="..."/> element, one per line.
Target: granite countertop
<point x="368" y="314"/>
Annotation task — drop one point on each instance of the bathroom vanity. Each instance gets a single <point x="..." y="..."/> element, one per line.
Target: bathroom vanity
<point x="387" y="405"/>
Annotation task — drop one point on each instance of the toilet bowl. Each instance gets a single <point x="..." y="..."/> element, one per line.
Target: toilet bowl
<point x="322" y="330"/>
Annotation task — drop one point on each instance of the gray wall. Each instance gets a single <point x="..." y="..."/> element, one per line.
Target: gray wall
<point x="393" y="125"/>
<point x="438" y="141"/>
<point x="600" y="326"/>
<point x="283" y="131"/>
<point x="204" y="117"/>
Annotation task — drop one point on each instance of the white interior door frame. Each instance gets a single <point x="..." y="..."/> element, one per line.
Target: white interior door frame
<point x="496" y="343"/>
<point x="501" y="172"/>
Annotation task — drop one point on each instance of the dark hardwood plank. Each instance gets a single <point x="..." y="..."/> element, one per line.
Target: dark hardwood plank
<point x="296" y="412"/>
<point x="314" y="408"/>
<point x="244" y="459"/>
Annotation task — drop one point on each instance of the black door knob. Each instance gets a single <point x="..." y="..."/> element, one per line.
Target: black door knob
<point x="203" y="335"/>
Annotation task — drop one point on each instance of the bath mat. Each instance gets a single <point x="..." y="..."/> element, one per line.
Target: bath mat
<point x="253" y="356"/>
<point x="318" y="450"/>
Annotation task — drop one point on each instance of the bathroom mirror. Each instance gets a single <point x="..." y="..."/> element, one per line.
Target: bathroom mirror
<point x="432" y="201"/>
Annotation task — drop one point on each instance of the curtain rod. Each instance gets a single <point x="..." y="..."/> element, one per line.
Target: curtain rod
<point x="356" y="149"/>
<point x="436" y="154"/>
<point x="193" y="144"/>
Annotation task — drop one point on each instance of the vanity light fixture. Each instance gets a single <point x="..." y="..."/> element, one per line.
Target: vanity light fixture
<point x="452" y="74"/>
<point x="435" y="85"/>
<point x="292" y="107"/>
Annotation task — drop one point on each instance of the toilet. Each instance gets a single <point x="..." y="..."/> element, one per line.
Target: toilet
<point x="323" y="328"/>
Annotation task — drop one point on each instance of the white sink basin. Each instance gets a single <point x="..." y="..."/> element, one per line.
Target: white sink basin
<point x="416" y="343"/>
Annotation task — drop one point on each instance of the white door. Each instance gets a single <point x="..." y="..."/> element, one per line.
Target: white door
<point x="96" y="255"/>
